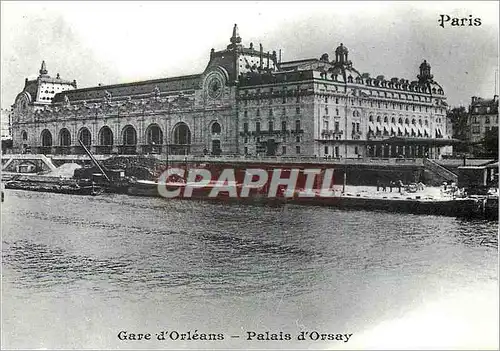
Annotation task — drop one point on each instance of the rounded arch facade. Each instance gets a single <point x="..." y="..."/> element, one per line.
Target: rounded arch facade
<point x="105" y="136"/>
<point x="85" y="136"/>
<point x="64" y="137"/>
<point x="181" y="139"/>
<point x="154" y="134"/>
<point x="46" y="138"/>
<point x="215" y="128"/>
<point x="129" y="135"/>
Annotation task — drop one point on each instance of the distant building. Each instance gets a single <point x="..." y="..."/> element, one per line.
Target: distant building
<point x="245" y="102"/>
<point x="483" y="116"/>
<point x="6" y="128"/>
<point x="6" y="124"/>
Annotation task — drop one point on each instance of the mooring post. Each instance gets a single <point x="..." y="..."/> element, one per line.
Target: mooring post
<point x="345" y="181"/>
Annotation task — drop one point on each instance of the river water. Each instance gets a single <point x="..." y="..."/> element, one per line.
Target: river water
<point x="78" y="270"/>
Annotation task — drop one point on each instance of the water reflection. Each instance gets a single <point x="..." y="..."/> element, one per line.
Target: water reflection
<point x="144" y="261"/>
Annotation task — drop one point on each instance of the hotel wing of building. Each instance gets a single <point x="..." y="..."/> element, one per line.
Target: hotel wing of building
<point x="245" y="102"/>
<point x="483" y="117"/>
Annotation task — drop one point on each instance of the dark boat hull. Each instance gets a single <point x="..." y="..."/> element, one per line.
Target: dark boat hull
<point x="468" y="207"/>
<point x="54" y="188"/>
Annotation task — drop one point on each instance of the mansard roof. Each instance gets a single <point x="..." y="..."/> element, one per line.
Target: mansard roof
<point x="485" y="102"/>
<point x="31" y="87"/>
<point x="296" y="64"/>
<point x="250" y="79"/>
<point x="124" y="90"/>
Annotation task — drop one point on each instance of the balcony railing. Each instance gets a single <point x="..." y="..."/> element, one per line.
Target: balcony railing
<point x="104" y="149"/>
<point x="127" y="149"/>
<point x="46" y="150"/>
<point x="78" y="150"/>
<point x="152" y="149"/>
<point x="270" y="132"/>
<point x="378" y="136"/>
<point x="356" y="135"/>
<point x="62" y="150"/>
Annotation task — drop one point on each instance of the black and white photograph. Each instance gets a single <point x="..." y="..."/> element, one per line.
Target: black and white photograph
<point x="267" y="175"/>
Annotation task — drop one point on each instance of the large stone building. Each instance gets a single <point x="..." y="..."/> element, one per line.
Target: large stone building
<point x="245" y="102"/>
<point x="483" y="116"/>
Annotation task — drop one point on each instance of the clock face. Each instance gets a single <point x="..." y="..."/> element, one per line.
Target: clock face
<point x="214" y="87"/>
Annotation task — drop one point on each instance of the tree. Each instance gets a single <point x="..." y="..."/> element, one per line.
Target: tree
<point x="458" y="118"/>
<point x="490" y="142"/>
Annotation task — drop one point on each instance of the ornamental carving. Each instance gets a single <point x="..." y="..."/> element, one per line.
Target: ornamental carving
<point x="107" y="96"/>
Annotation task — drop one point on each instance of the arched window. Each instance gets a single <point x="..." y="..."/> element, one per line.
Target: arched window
<point x="154" y="135"/>
<point x="85" y="137"/>
<point x="105" y="136"/>
<point x="64" y="137"/>
<point x="407" y="121"/>
<point x="393" y="120"/>
<point x="182" y="134"/>
<point x="46" y="138"/>
<point x="370" y="118"/>
<point x="216" y="128"/>
<point x="129" y="135"/>
<point x="385" y="119"/>
<point x="413" y="121"/>
<point x="24" y="135"/>
<point x="400" y="120"/>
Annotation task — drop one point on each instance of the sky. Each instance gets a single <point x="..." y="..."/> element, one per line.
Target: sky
<point x="118" y="42"/>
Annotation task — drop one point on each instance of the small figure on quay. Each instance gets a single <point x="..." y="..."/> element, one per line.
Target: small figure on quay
<point x="400" y="185"/>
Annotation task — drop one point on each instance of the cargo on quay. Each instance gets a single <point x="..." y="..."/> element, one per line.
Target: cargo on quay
<point x="140" y="178"/>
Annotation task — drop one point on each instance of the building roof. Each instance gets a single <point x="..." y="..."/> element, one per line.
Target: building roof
<point x="485" y="102"/>
<point x="32" y="87"/>
<point x="250" y="79"/>
<point x="481" y="106"/>
<point x="124" y="90"/>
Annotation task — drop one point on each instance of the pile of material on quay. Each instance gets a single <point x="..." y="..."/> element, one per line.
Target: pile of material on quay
<point x="140" y="167"/>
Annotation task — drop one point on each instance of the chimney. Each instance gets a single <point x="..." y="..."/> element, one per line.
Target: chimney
<point x="495" y="98"/>
<point x="474" y="99"/>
